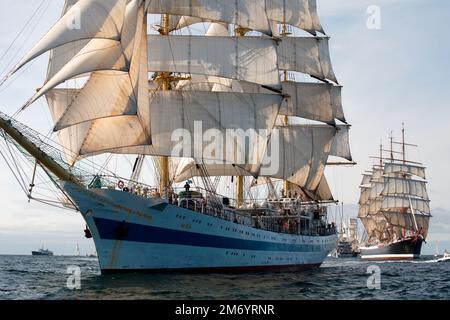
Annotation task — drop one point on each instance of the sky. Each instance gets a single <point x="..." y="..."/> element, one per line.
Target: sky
<point x="392" y="75"/>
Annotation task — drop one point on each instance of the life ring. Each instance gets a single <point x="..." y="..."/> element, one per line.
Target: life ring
<point x="121" y="184"/>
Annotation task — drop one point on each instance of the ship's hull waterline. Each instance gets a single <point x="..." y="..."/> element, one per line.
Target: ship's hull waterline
<point x="134" y="234"/>
<point x="406" y="249"/>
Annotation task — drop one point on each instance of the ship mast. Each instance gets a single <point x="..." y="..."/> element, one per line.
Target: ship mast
<point x="287" y="184"/>
<point x="381" y="154"/>
<point x="240" y="180"/>
<point x="164" y="78"/>
<point x="413" y="213"/>
<point x="403" y="143"/>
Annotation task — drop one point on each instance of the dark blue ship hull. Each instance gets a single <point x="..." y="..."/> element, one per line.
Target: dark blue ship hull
<point x="405" y="249"/>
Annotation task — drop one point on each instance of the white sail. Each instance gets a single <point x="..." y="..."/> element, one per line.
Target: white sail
<point x="233" y="83"/>
<point x="377" y="175"/>
<point x="171" y="111"/>
<point x="323" y="191"/>
<point x="307" y="55"/>
<point x="375" y="206"/>
<point x="336" y="102"/>
<point x="252" y="59"/>
<point x="416" y="170"/>
<point x="249" y="14"/>
<point x="305" y="169"/>
<point x="217" y="29"/>
<point x="97" y="55"/>
<point x="106" y="94"/>
<point x="310" y="101"/>
<point x="109" y="93"/>
<point x="341" y="143"/>
<point x="399" y="202"/>
<point x="401" y="186"/>
<point x="174" y="110"/>
<point x="363" y="211"/>
<point x="295" y="13"/>
<point x="303" y="153"/>
<point x="102" y="19"/>
<point x="113" y="133"/>
<point x="376" y="189"/>
<point x="71" y="138"/>
<point x="315" y="16"/>
<point x="364" y="197"/>
<point x="366" y="179"/>
<point x="406" y="220"/>
<point x="64" y="53"/>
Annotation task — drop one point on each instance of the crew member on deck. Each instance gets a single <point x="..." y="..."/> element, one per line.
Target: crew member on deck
<point x="187" y="187"/>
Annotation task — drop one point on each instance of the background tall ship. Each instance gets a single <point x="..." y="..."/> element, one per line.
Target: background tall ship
<point x="394" y="206"/>
<point x="125" y="76"/>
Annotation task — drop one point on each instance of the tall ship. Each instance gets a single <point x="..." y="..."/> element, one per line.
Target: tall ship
<point x="192" y="136"/>
<point x="394" y="205"/>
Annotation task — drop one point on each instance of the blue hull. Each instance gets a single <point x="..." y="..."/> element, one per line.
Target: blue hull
<point x="134" y="234"/>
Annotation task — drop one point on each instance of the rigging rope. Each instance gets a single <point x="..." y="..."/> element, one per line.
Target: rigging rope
<point x="33" y="27"/>
<point x="21" y="31"/>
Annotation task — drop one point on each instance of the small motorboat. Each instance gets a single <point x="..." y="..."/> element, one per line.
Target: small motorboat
<point x="445" y="257"/>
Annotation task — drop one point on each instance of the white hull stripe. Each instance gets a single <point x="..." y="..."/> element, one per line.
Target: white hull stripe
<point x="388" y="256"/>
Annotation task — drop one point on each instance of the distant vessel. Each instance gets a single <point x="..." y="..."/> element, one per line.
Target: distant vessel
<point x="77" y="250"/>
<point x="42" y="252"/>
<point x="394" y="206"/>
<point x="445" y="258"/>
<point x="348" y="244"/>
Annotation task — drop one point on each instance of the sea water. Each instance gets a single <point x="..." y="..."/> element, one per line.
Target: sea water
<point x="52" y="277"/>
